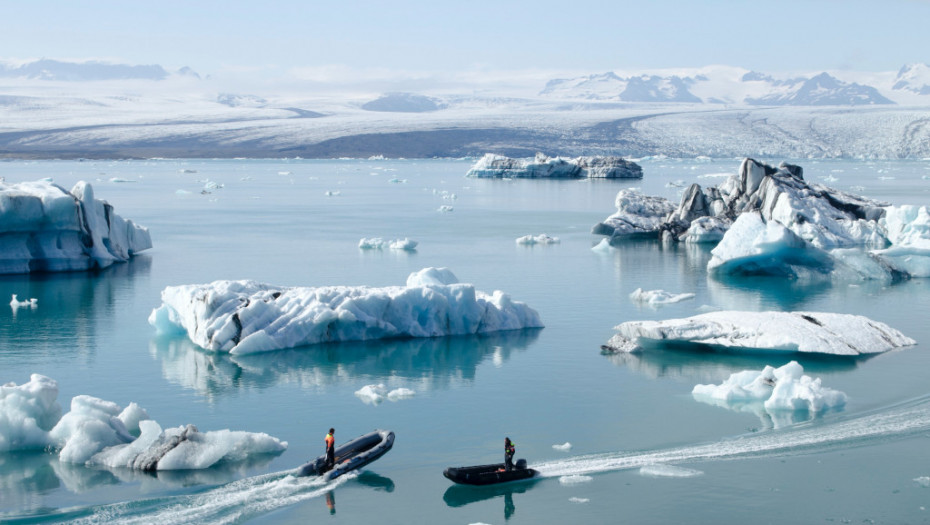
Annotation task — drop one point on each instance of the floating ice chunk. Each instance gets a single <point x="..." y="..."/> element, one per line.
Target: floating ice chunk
<point x="16" y="304"/>
<point x="43" y="227"/>
<point x="578" y="500"/>
<point x="602" y="247"/>
<point x="119" y="179"/>
<point x="575" y="479"/>
<point x="668" y="471"/>
<point x="658" y="297"/>
<point x="27" y="413"/>
<point x="101" y="432"/>
<point x="404" y="244"/>
<point x="564" y="447"/>
<point x="542" y="166"/>
<point x="246" y="316"/>
<point x="817" y="332"/>
<point x="445" y="208"/>
<point x="374" y="243"/>
<point x="637" y="216"/>
<point x="376" y="394"/>
<point x="332" y="193"/>
<point x="91" y="425"/>
<point x="923" y="481"/>
<point x="773" y="391"/>
<point x="542" y="238"/>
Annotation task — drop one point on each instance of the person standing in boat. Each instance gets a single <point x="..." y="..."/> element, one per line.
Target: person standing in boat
<point x="509" y="451"/>
<point x="330" y="450"/>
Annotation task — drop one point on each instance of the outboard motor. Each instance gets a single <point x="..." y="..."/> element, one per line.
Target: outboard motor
<point x="521" y="464"/>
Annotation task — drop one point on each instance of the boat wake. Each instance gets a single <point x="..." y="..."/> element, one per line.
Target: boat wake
<point x="231" y="503"/>
<point x="910" y="417"/>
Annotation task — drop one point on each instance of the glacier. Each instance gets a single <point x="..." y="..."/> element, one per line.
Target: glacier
<point x="543" y="166"/>
<point x="768" y="220"/>
<point x="743" y="331"/>
<point x="100" y="432"/>
<point x="45" y="228"/>
<point x="242" y="317"/>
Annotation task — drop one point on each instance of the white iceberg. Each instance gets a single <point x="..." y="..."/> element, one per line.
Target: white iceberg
<point x="816" y="332"/>
<point x="564" y="447"/>
<point x="658" y="297"/>
<point x="376" y="394"/>
<point x="44" y="227"/>
<point x="542" y="166"/>
<point x="542" y="238"/>
<point x="779" y="396"/>
<point x="377" y="243"/>
<point x="100" y="432"/>
<point x="245" y="316"/>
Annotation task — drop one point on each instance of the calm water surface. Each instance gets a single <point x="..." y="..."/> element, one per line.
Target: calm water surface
<point x="299" y="222"/>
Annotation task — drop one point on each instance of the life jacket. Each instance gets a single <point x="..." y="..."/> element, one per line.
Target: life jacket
<point x="330" y="440"/>
<point x="510" y="449"/>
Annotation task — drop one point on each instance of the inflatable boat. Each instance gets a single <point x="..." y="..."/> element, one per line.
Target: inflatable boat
<point x="489" y="474"/>
<point x="352" y="455"/>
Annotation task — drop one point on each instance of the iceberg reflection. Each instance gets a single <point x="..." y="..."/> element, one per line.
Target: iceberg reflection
<point x="434" y="362"/>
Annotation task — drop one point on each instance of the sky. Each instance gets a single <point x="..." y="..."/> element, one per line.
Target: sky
<point x="318" y="40"/>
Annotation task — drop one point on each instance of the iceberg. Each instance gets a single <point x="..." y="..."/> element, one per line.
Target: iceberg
<point x="770" y="221"/>
<point x="377" y="243"/>
<point x="45" y="228"/>
<point x="543" y="166"/>
<point x="242" y="317"/>
<point x="100" y="432"/>
<point x="772" y="393"/>
<point x="542" y="238"/>
<point x="789" y="332"/>
<point x="658" y="297"/>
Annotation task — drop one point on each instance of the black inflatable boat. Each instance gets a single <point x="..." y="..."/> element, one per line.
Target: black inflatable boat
<point x="489" y="474"/>
<point x="352" y="455"/>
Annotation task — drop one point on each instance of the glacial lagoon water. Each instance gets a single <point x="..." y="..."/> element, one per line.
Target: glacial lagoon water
<point x="643" y="450"/>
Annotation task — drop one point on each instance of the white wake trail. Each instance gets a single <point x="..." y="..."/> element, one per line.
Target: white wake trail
<point x="908" y="418"/>
<point x="231" y="503"/>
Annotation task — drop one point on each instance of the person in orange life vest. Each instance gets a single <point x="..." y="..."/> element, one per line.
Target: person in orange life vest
<point x="509" y="451"/>
<point x="330" y="450"/>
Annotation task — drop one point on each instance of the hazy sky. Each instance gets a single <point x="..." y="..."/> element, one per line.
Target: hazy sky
<point x="424" y="37"/>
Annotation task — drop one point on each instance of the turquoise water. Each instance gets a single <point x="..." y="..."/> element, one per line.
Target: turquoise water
<point x="273" y="221"/>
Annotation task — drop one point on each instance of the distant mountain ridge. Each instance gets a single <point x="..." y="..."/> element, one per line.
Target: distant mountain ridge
<point x="751" y="88"/>
<point x="47" y="69"/>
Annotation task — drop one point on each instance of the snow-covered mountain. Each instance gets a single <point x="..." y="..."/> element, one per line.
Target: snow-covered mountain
<point x="729" y="86"/>
<point x="47" y="69"/>
<point x="914" y="78"/>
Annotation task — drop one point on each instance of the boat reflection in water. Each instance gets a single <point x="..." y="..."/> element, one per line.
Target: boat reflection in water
<point x="461" y="495"/>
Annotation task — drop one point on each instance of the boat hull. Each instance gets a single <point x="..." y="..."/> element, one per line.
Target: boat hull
<point x="488" y="474"/>
<point x="351" y="456"/>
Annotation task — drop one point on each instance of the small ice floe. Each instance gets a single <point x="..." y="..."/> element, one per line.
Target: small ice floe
<point x="284" y="173"/>
<point x="376" y="394"/>
<point x="16" y="304"/>
<point x="923" y="481"/>
<point x="209" y="185"/>
<point x="377" y="243"/>
<point x="578" y="500"/>
<point x="445" y="208"/>
<point x="601" y="247"/>
<point x="668" y="471"/>
<point x="564" y="447"/>
<point x="714" y="176"/>
<point x="815" y="332"/>
<point x="542" y="238"/>
<point x="675" y="184"/>
<point x="119" y="179"/>
<point x="100" y="432"/>
<point x="331" y="193"/>
<point x="575" y="479"/>
<point x="658" y="297"/>
<point x="185" y="170"/>
<point x="772" y="391"/>
<point x="248" y="316"/>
